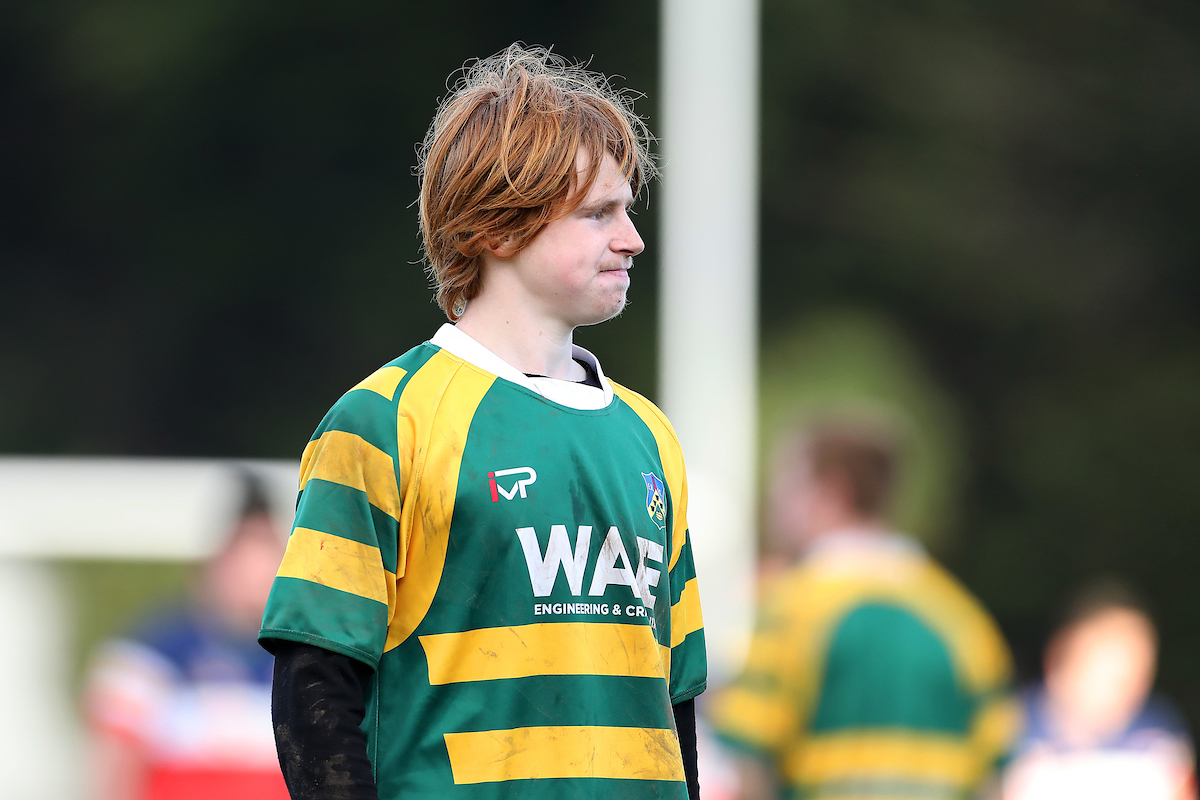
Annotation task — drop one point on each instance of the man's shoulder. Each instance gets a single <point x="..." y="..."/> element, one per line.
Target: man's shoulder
<point x="831" y="581"/>
<point x="815" y="590"/>
<point x="385" y="385"/>
<point x="392" y="377"/>
<point x="368" y="410"/>
<point x="953" y="594"/>
<point x="651" y="414"/>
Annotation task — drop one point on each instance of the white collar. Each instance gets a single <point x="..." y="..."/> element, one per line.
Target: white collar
<point x="864" y="540"/>
<point x="565" y="393"/>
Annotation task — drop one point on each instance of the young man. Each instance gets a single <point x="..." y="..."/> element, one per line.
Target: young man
<point x="873" y="673"/>
<point x="489" y="590"/>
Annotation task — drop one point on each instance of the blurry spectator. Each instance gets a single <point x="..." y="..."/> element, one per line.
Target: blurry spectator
<point x="872" y="673"/>
<point x="181" y="709"/>
<point x="1093" y="729"/>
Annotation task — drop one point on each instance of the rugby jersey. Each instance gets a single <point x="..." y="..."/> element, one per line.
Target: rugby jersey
<point x="511" y="556"/>
<point x="872" y="674"/>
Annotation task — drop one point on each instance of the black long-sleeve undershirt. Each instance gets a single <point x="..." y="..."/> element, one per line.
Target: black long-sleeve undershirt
<point x="317" y="707"/>
<point x="685" y="724"/>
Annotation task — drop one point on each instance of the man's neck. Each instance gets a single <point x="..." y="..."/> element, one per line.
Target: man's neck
<point x="532" y="345"/>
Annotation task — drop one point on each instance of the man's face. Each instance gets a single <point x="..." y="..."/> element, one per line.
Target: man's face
<point x="1100" y="671"/>
<point x="576" y="270"/>
<point x="238" y="579"/>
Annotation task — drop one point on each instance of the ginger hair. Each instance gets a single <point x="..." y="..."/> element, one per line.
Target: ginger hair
<point x="499" y="160"/>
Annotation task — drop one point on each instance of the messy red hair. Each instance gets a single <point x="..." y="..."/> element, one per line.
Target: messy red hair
<point x="499" y="160"/>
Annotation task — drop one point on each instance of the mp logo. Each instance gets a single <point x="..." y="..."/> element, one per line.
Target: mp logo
<point x="499" y="491"/>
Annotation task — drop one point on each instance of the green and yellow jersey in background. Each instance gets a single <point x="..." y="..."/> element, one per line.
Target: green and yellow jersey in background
<point x="510" y="556"/>
<point x="872" y="674"/>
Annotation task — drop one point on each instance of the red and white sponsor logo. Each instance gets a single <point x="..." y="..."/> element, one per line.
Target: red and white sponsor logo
<point x="497" y="486"/>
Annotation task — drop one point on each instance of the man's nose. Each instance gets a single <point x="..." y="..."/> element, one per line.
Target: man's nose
<point x="629" y="241"/>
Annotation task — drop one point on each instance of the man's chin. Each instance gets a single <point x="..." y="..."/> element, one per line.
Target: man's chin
<point x="609" y="311"/>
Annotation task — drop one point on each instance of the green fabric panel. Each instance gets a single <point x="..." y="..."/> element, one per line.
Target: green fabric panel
<point x="689" y="667"/>
<point x="685" y="570"/>
<point x="346" y="512"/>
<point x="886" y="668"/>
<point x="302" y="611"/>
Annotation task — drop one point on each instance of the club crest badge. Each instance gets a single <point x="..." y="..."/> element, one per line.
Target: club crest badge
<point x="656" y="500"/>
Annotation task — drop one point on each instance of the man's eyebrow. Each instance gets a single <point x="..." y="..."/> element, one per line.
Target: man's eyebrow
<point x="604" y="204"/>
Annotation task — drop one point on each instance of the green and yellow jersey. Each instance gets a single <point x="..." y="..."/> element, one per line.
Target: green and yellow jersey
<point x="510" y="556"/>
<point x="872" y="674"/>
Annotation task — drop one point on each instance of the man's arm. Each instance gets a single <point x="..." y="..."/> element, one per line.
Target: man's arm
<point x="685" y="724"/>
<point x="317" y="707"/>
<point x="332" y="588"/>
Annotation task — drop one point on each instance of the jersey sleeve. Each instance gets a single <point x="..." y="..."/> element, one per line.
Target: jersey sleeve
<point x="336" y="585"/>
<point x="689" y="660"/>
<point x="999" y="717"/>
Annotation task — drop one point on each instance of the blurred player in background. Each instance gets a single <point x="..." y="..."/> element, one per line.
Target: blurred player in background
<point x="872" y="672"/>
<point x="1093" y="729"/>
<point x="489" y="591"/>
<point x="181" y="709"/>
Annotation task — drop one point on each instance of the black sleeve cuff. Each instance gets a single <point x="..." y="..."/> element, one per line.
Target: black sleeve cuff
<point x="317" y="706"/>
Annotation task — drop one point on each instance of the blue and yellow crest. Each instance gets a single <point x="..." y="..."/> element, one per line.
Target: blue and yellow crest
<point x="656" y="500"/>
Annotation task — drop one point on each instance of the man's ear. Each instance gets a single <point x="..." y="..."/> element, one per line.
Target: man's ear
<point x="501" y="247"/>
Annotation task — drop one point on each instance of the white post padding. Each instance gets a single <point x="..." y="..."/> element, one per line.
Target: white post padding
<point x="135" y="508"/>
<point x="708" y="290"/>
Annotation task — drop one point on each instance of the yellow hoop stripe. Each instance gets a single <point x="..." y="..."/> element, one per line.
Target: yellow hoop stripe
<point x="649" y="754"/>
